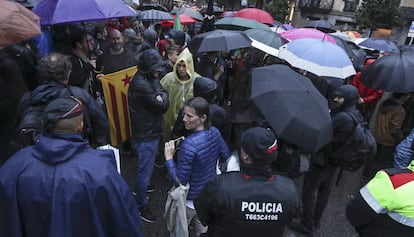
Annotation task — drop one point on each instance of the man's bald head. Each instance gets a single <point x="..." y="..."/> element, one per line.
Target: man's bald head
<point x="117" y="41"/>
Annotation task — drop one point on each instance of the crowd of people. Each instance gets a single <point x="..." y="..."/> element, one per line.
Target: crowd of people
<point x="191" y="110"/>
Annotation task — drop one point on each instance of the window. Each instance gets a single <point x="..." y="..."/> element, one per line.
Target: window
<point x="351" y="5"/>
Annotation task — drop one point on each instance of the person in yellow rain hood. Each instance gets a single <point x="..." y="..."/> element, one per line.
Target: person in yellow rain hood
<point x="179" y="85"/>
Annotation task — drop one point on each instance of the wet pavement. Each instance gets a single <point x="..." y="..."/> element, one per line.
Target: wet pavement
<point x="333" y="223"/>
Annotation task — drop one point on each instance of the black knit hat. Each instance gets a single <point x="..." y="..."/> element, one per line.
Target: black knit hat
<point x="260" y="144"/>
<point x="62" y="108"/>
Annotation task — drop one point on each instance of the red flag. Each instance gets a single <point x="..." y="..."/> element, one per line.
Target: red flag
<point x="115" y="87"/>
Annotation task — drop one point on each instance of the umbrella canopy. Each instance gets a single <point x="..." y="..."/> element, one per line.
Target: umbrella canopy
<point x="341" y="35"/>
<point x="266" y="41"/>
<point x="148" y="6"/>
<point x="256" y="14"/>
<point x="292" y="106"/>
<point x="189" y="12"/>
<point x="218" y="40"/>
<point x="184" y="20"/>
<point x="17" y="23"/>
<point x="393" y="72"/>
<point x="353" y="34"/>
<point x="318" y="57"/>
<point x="227" y="14"/>
<point x="379" y="44"/>
<point x="154" y="15"/>
<point x="64" y="11"/>
<point x="237" y="23"/>
<point x="300" y="33"/>
<point x="216" y="10"/>
<point x="357" y="59"/>
<point x="322" y="25"/>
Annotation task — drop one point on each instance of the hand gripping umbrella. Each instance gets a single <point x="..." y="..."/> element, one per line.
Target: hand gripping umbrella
<point x="393" y="72"/>
<point x="292" y="106"/>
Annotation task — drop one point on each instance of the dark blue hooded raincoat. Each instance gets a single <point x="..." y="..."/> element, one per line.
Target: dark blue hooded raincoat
<point x="62" y="187"/>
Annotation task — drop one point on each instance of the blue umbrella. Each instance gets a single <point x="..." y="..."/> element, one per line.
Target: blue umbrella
<point x="65" y="11"/>
<point x="380" y="44"/>
<point x="317" y="56"/>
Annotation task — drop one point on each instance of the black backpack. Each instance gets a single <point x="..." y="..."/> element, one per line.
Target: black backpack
<point x="360" y="147"/>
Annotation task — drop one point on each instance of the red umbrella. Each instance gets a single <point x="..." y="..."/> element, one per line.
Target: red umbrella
<point x="184" y="20"/>
<point x="256" y="14"/>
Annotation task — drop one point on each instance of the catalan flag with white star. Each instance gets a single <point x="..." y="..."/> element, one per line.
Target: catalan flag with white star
<point x="115" y="87"/>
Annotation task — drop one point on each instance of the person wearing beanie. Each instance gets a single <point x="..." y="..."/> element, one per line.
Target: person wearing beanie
<point x="252" y="202"/>
<point x="62" y="185"/>
<point x="148" y="101"/>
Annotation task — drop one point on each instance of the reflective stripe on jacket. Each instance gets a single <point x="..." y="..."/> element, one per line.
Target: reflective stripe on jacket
<point x="392" y="193"/>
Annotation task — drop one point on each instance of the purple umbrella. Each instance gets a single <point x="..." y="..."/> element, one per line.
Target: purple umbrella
<point x="65" y="11"/>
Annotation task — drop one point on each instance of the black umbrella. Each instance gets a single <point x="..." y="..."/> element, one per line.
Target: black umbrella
<point x="358" y="60"/>
<point x="216" y="10"/>
<point x="218" y="40"/>
<point x="154" y="15"/>
<point x="292" y="106"/>
<point x="393" y="72"/>
<point x="149" y="6"/>
<point x="189" y="12"/>
<point x="322" y="25"/>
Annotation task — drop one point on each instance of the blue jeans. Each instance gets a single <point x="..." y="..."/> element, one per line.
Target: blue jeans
<point x="146" y="152"/>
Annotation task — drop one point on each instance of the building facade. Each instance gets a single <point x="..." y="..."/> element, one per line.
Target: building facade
<point x="341" y="13"/>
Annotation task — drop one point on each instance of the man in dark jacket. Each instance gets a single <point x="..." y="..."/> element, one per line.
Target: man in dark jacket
<point x="63" y="187"/>
<point x="148" y="101"/>
<point x="318" y="180"/>
<point x="82" y="45"/>
<point x="55" y="69"/>
<point x="252" y="202"/>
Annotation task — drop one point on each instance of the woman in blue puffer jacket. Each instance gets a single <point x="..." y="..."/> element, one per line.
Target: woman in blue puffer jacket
<point x="404" y="152"/>
<point x="198" y="155"/>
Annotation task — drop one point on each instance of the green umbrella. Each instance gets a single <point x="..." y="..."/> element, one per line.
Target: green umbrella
<point x="237" y="23"/>
<point x="177" y="23"/>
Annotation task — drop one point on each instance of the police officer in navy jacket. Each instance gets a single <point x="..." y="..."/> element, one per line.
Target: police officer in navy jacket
<point x="252" y="202"/>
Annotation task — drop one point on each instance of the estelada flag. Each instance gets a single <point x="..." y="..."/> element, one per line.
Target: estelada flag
<point x="115" y="87"/>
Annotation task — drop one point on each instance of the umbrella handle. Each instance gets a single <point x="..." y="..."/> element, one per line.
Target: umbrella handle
<point x="100" y="70"/>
